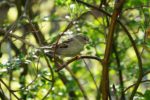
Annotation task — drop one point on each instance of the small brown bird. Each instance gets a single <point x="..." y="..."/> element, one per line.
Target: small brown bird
<point x="68" y="48"/>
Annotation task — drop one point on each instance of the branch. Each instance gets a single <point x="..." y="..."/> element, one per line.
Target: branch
<point x="120" y="72"/>
<point x="9" y="89"/>
<point x="77" y="58"/>
<point x="135" y="85"/>
<point x="3" y="32"/>
<point x="139" y="61"/>
<point x="109" y="42"/>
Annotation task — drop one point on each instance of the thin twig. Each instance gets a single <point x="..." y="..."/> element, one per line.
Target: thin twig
<point x="133" y="85"/>
<point x="120" y="72"/>
<point x="9" y="89"/>
<point x="67" y="28"/>
<point x="78" y="82"/>
<point x="91" y="75"/>
<point x="139" y="61"/>
<point x="53" y="80"/>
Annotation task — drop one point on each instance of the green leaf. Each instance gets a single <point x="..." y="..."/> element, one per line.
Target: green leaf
<point x="147" y="95"/>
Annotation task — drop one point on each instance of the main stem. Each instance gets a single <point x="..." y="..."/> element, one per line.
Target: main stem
<point x="105" y="71"/>
<point x="109" y="42"/>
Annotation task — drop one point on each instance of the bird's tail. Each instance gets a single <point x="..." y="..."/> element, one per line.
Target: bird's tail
<point x="47" y="50"/>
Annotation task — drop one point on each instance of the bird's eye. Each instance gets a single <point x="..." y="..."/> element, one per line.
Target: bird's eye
<point x="85" y="38"/>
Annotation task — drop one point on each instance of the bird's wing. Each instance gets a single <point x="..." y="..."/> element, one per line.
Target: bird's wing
<point x="64" y="44"/>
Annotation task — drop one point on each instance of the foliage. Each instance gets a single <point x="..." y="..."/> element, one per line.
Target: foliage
<point x="28" y="74"/>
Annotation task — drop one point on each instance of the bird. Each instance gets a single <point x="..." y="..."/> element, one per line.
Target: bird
<point x="69" y="48"/>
